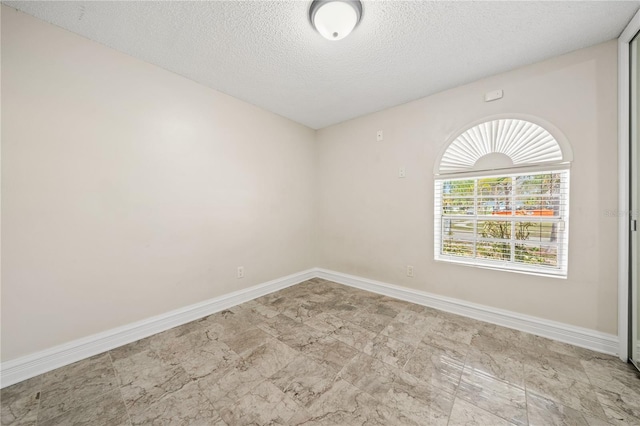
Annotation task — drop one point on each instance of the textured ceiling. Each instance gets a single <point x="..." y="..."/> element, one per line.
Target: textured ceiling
<point x="266" y="52"/>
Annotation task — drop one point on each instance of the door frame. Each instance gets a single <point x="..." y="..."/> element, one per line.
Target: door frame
<point x="623" y="183"/>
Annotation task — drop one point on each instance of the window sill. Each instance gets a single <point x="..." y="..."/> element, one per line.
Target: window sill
<point x="499" y="267"/>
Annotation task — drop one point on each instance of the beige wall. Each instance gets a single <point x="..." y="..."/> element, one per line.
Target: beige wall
<point x="373" y="224"/>
<point x="128" y="191"/>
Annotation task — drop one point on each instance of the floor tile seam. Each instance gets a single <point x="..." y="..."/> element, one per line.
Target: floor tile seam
<point x="443" y="349"/>
<point x="298" y="408"/>
<point x="422" y="336"/>
<point x="524" y="349"/>
<point x="168" y="394"/>
<point x="561" y="375"/>
<point x="277" y="337"/>
<point x="555" y="352"/>
<point x="453" y="401"/>
<point x="485" y="410"/>
<point x="420" y="380"/>
<point x="375" y="359"/>
<point x="239" y="355"/>
<point x="317" y="329"/>
<point x="293" y="379"/>
<point x="333" y="333"/>
<point x="508" y="384"/>
<point x="496" y="378"/>
<point x="227" y="373"/>
<point x="298" y="403"/>
<point x="72" y="377"/>
<point x="378" y="400"/>
<point x="603" y="405"/>
<point x="526" y="397"/>
<point x="489" y="412"/>
<point x="206" y="398"/>
<point x="410" y="357"/>
<point x="171" y="363"/>
<point x="545" y="396"/>
<point x="596" y="387"/>
<point x="226" y="394"/>
<point x="582" y="413"/>
<point x="561" y="403"/>
<point x="366" y="329"/>
<point x="84" y="406"/>
<point x="86" y="402"/>
<point x="126" y="409"/>
<point x="329" y="336"/>
<point x="351" y="323"/>
<point x="529" y="360"/>
<point x="601" y="388"/>
<point x="624" y="381"/>
<point x="339" y="376"/>
<point x="82" y="382"/>
<point x="37" y="408"/>
<point x="498" y="415"/>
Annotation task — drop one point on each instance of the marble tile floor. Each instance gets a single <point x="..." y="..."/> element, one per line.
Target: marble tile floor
<point x="320" y="353"/>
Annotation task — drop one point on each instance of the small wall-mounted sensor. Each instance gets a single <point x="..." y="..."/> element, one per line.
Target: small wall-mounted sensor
<point x="379" y="135"/>
<point x="493" y="95"/>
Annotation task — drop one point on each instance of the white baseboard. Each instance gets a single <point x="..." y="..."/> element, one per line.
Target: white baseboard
<point x="23" y="368"/>
<point x="578" y="336"/>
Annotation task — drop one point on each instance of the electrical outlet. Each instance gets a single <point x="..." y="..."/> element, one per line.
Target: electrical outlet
<point x="410" y="271"/>
<point x="379" y="135"/>
<point x="240" y="271"/>
<point x="402" y="172"/>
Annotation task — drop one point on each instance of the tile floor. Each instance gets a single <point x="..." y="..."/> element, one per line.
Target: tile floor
<point x="320" y="353"/>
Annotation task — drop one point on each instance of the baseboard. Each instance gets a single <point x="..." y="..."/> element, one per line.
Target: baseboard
<point x="578" y="336"/>
<point x="23" y="368"/>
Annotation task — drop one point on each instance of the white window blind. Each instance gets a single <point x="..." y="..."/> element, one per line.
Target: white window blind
<point x="523" y="142"/>
<point x="512" y="221"/>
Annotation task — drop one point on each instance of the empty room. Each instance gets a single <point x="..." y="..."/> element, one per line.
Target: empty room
<point x="320" y="212"/>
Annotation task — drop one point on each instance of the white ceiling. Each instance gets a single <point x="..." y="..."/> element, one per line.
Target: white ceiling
<point x="266" y="52"/>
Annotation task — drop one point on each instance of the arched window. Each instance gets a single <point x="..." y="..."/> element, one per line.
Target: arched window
<point x="502" y="198"/>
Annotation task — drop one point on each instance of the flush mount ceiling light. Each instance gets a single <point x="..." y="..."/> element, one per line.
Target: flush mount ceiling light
<point x="335" y="19"/>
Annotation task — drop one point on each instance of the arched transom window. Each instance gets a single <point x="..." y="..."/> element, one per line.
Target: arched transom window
<point x="502" y="198"/>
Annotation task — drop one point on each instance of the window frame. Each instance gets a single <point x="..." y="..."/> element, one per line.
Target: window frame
<point x="561" y="271"/>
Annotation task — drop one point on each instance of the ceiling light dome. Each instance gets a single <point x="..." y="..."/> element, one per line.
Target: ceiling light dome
<point x="335" y="19"/>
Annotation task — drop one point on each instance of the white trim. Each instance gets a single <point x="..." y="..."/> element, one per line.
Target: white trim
<point x="541" y="167"/>
<point x="23" y="368"/>
<point x="498" y="266"/>
<point x="623" y="184"/>
<point x="578" y="336"/>
<point x="510" y="265"/>
<point x="28" y="366"/>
